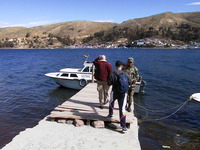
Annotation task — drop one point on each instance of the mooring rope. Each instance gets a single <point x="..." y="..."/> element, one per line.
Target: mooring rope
<point x="150" y="110"/>
<point x="180" y="106"/>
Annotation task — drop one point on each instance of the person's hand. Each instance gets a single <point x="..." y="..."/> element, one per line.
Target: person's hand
<point x="133" y="85"/>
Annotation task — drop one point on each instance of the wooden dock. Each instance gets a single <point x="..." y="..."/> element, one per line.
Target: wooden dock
<point x="85" y="106"/>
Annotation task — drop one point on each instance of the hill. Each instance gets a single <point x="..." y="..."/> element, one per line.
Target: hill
<point x="178" y="27"/>
<point x="169" y="19"/>
<point x="75" y="29"/>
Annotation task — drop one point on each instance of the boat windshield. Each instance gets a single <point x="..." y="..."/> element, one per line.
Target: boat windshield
<point x="87" y="69"/>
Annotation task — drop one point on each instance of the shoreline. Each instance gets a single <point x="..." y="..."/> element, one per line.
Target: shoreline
<point x="101" y="48"/>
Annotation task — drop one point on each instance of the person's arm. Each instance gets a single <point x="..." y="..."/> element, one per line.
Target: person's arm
<point x="137" y="76"/>
<point x="129" y="79"/>
<point x="109" y="69"/>
<point x="110" y="79"/>
<point x="96" y="60"/>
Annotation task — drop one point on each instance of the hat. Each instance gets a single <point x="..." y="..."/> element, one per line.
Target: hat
<point x="130" y="59"/>
<point x="118" y="63"/>
<point x="102" y="57"/>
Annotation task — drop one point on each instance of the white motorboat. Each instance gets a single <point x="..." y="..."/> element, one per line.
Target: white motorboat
<point x="77" y="78"/>
<point x="74" y="78"/>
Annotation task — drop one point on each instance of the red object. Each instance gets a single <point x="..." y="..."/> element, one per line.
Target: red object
<point x="102" y="70"/>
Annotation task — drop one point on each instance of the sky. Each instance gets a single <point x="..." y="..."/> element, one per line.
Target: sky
<point x="29" y="13"/>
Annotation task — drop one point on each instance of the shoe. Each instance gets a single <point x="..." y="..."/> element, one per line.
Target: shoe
<point x="109" y="116"/>
<point x="101" y="107"/>
<point x="105" y="102"/>
<point x="129" y="109"/>
<point x="124" y="130"/>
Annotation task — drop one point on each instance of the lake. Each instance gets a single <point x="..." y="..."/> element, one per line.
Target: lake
<point x="172" y="75"/>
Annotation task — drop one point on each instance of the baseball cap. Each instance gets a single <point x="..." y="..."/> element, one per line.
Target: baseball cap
<point x="118" y="63"/>
<point x="130" y="59"/>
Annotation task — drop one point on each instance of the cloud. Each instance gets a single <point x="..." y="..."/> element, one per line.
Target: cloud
<point x="4" y="24"/>
<point x="37" y="23"/>
<point x="195" y="3"/>
<point x="28" y="24"/>
<point x="104" y="20"/>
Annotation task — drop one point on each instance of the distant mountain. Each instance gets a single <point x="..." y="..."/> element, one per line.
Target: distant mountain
<point x="167" y="19"/>
<point x="175" y="26"/>
<point x="183" y="27"/>
<point x="75" y="29"/>
<point x="14" y="32"/>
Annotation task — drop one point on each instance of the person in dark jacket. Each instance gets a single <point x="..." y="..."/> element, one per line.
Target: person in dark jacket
<point x="102" y="71"/>
<point x="116" y="94"/>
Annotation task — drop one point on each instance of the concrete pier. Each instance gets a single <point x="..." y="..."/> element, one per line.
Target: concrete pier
<point x="50" y="135"/>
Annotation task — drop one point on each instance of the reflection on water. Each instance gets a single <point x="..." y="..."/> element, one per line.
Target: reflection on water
<point x="61" y="94"/>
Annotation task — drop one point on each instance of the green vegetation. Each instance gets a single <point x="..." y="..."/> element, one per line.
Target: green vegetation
<point x="65" y="40"/>
<point x="6" y="44"/>
<point x="27" y="35"/>
<point x="184" y="33"/>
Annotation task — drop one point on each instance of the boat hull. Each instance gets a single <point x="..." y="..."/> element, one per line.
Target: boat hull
<point x="72" y="84"/>
<point x="79" y="84"/>
<point x="139" y="88"/>
<point x="68" y="82"/>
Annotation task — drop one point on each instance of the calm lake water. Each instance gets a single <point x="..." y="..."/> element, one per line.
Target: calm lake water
<point x="27" y="96"/>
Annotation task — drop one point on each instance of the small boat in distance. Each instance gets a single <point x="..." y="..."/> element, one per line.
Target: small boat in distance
<point x="77" y="78"/>
<point x="74" y="78"/>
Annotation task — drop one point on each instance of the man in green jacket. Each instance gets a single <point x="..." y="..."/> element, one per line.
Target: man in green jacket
<point x="132" y="71"/>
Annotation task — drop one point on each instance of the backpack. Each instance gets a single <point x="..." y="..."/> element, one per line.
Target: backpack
<point x="123" y="83"/>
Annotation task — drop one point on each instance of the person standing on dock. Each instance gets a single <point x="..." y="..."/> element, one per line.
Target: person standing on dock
<point x="102" y="71"/>
<point x="120" y="82"/>
<point x="134" y="75"/>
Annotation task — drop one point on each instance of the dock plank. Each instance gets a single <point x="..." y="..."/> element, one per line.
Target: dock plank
<point x="84" y="105"/>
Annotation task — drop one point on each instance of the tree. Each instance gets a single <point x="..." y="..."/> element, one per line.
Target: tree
<point x="50" y="35"/>
<point x="50" y="41"/>
<point x="27" y="35"/>
<point x="7" y="44"/>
